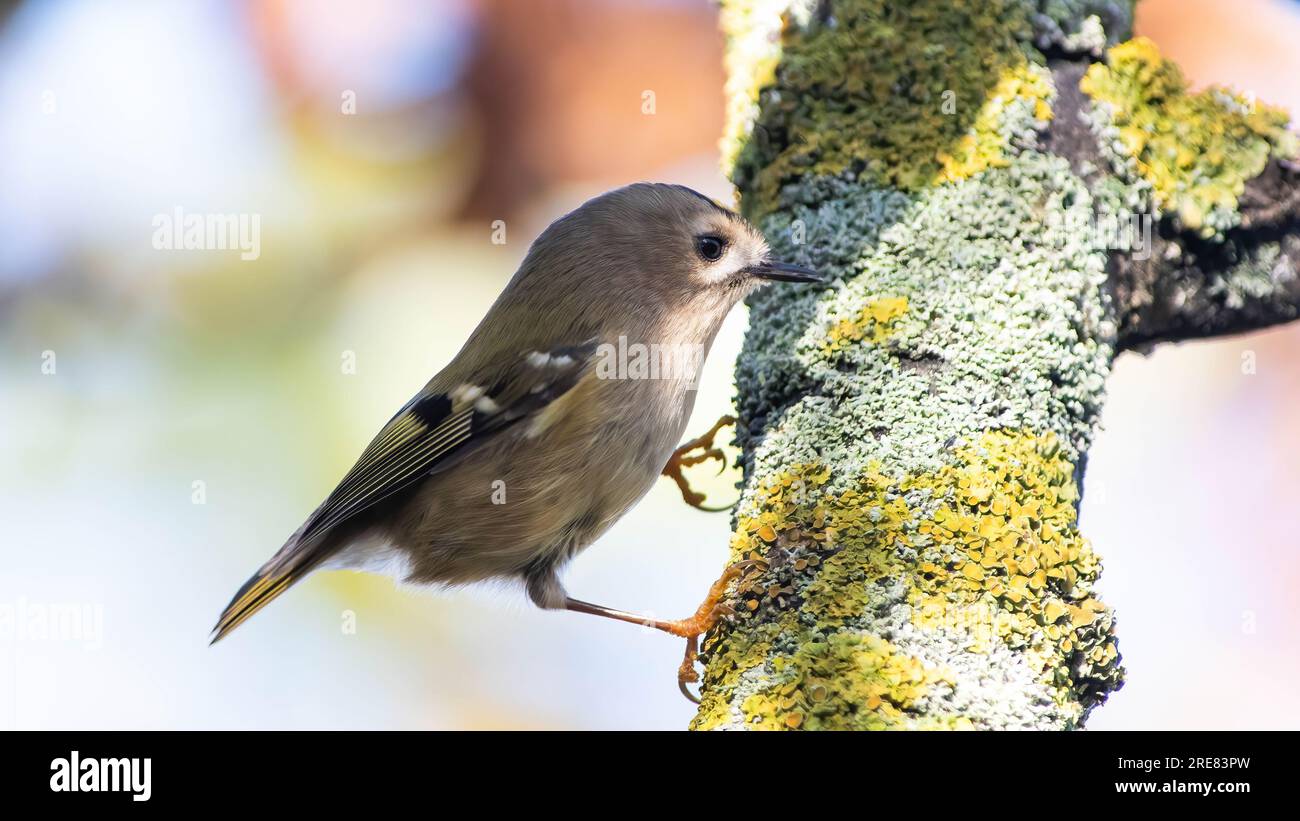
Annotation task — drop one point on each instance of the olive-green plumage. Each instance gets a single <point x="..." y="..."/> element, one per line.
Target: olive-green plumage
<point x="537" y="437"/>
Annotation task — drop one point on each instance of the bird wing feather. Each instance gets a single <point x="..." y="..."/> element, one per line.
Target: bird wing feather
<point x="419" y="440"/>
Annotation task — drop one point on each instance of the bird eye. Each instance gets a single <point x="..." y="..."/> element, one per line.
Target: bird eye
<point x="709" y="247"/>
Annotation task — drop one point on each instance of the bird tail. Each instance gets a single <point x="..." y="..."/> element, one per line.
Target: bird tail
<point x="274" y="577"/>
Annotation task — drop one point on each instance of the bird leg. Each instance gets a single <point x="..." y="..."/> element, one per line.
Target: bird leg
<point x="710" y="611"/>
<point x="684" y="458"/>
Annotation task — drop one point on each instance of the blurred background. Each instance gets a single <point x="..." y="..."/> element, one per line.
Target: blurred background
<point x="168" y="417"/>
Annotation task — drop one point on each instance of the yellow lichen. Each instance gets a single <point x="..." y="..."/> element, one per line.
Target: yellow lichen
<point x="984" y="145"/>
<point x="1012" y="560"/>
<point x="1196" y="150"/>
<point x="839" y="669"/>
<point x="988" y="549"/>
<point x="873" y="324"/>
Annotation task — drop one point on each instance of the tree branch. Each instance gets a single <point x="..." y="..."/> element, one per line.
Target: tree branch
<point x="1191" y="288"/>
<point x="914" y="435"/>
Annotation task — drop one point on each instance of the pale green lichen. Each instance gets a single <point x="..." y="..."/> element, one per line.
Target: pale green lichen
<point x="1195" y="151"/>
<point x="960" y="311"/>
<point x="1082" y="26"/>
<point x="1255" y="279"/>
<point x="985" y="336"/>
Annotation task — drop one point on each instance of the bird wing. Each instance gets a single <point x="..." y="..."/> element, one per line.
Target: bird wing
<point x="417" y="441"/>
<point x="432" y="426"/>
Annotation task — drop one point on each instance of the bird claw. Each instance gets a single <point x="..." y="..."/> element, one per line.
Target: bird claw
<point x="684" y="457"/>
<point x="710" y="612"/>
<point x="686" y="673"/>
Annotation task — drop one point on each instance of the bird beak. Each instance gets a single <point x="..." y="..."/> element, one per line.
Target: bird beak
<point x="784" y="272"/>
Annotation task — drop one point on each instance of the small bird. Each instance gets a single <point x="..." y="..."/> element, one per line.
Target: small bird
<point x="555" y="418"/>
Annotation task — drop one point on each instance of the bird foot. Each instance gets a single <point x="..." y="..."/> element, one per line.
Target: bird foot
<point x="709" y="613"/>
<point x="685" y="456"/>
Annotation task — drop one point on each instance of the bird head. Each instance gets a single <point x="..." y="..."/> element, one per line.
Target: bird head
<point x="653" y="251"/>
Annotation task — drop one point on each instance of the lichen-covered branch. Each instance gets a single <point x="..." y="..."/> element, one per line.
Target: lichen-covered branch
<point x="1189" y="288"/>
<point x="914" y="435"/>
<point x="1216" y="170"/>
